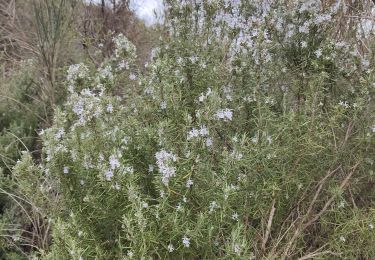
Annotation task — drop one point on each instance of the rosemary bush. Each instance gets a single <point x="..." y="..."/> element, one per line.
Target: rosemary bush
<point x="250" y="134"/>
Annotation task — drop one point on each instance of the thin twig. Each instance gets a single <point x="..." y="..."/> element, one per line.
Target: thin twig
<point x="269" y="224"/>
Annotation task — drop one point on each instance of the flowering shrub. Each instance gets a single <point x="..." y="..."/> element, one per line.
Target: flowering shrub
<point x="240" y="140"/>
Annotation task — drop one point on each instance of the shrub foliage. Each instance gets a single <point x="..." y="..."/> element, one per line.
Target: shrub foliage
<point x="249" y="134"/>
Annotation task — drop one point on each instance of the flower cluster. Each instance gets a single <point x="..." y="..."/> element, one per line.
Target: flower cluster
<point x="225" y="114"/>
<point x="202" y="131"/>
<point x="163" y="161"/>
<point x="123" y="47"/>
<point x="75" y="73"/>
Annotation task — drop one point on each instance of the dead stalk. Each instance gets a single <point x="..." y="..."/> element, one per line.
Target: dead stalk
<point x="269" y="224"/>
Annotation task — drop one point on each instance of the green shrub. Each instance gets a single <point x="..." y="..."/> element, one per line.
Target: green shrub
<point x="244" y="138"/>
